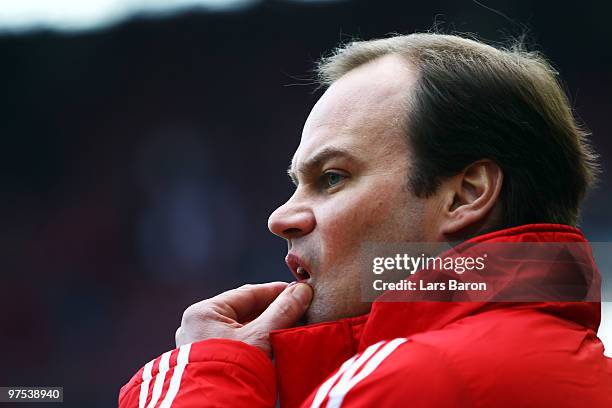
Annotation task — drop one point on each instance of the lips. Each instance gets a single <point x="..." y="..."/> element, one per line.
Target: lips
<point x="299" y="268"/>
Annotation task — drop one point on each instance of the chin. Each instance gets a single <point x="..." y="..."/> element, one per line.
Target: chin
<point x="317" y="314"/>
<point x="325" y="311"/>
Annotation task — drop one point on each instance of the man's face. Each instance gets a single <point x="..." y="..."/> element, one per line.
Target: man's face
<point x="351" y="170"/>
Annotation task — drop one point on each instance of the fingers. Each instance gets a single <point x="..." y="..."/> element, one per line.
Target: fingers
<point x="286" y="309"/>
<point x="248" y="301"/>
<point x="273" y="305"/>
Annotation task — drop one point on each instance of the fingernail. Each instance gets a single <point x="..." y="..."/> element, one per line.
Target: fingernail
<point x="292" y="284"/>
<point x="302" y="292"/>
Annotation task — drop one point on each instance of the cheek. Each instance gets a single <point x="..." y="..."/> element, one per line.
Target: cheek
<point x="352" y="219"/>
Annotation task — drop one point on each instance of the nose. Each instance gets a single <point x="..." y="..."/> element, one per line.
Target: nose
<point x="291" y="220"/>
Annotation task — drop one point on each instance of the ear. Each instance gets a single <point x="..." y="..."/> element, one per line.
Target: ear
<point x="471" y="197"/>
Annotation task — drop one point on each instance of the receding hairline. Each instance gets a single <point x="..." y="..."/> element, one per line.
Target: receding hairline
<point x="518" y="86"/>
<point x="353" y="54"/>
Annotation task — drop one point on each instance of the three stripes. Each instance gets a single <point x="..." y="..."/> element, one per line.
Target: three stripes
<point x="334" y="389"/>
<point x="175" y="382"/>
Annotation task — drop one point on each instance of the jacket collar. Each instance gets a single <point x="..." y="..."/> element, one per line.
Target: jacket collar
<point x="305" y="356"/>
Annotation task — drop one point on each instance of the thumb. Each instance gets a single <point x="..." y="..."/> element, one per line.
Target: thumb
<point x="286" y="309"/>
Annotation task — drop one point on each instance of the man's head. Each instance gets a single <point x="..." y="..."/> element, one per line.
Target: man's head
<point x="426" y="137"/>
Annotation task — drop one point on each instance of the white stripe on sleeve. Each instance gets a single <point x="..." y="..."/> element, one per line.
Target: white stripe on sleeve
<point x="164" y="366"/>
<point x="175" y="382"/>
<point x="144" y="387"/>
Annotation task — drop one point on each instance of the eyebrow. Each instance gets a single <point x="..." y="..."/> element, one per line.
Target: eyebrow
<point x="317" y="160"/>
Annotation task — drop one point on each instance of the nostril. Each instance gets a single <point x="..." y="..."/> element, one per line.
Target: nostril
<point x="292" y="231"/>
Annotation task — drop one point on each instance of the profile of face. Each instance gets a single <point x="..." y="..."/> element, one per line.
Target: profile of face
<point x="351" y="173"/>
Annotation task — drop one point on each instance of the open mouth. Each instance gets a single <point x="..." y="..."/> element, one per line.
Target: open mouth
<point x="298" y="267"/>
<point x="302" y="273"/>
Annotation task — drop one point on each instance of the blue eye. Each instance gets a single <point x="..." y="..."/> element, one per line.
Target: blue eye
<point x="332" y="179"/>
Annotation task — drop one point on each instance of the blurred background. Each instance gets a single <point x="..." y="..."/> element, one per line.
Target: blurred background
<point x="144" y="144"/>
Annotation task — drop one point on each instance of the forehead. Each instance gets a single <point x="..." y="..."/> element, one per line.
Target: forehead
<point x="362" y="111"/>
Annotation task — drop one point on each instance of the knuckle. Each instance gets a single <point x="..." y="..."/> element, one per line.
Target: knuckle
<point x="177" y="336"/>
<point x="196" y="312"/>
<point x="188" y="314"/>
<point x="207" y="313"/>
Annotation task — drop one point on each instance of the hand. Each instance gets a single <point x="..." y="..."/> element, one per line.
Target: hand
<point x="245" y="314"/>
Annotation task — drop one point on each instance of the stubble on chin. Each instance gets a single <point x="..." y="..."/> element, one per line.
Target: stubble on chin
<point x="330" y="304"/>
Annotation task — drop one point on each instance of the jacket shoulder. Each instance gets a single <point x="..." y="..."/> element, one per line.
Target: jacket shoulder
<point x="508" y="357"/>
<point x="525" y="357"/>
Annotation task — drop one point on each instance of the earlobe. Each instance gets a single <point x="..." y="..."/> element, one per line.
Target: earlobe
<point x="474" y="193"/>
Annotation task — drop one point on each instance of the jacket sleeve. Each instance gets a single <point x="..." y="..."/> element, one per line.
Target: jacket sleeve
<point x="214" y="372"/>
<point x="392" y="373"/>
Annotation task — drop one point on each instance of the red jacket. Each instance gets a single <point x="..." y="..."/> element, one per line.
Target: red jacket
<point x="417" y="354"/>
